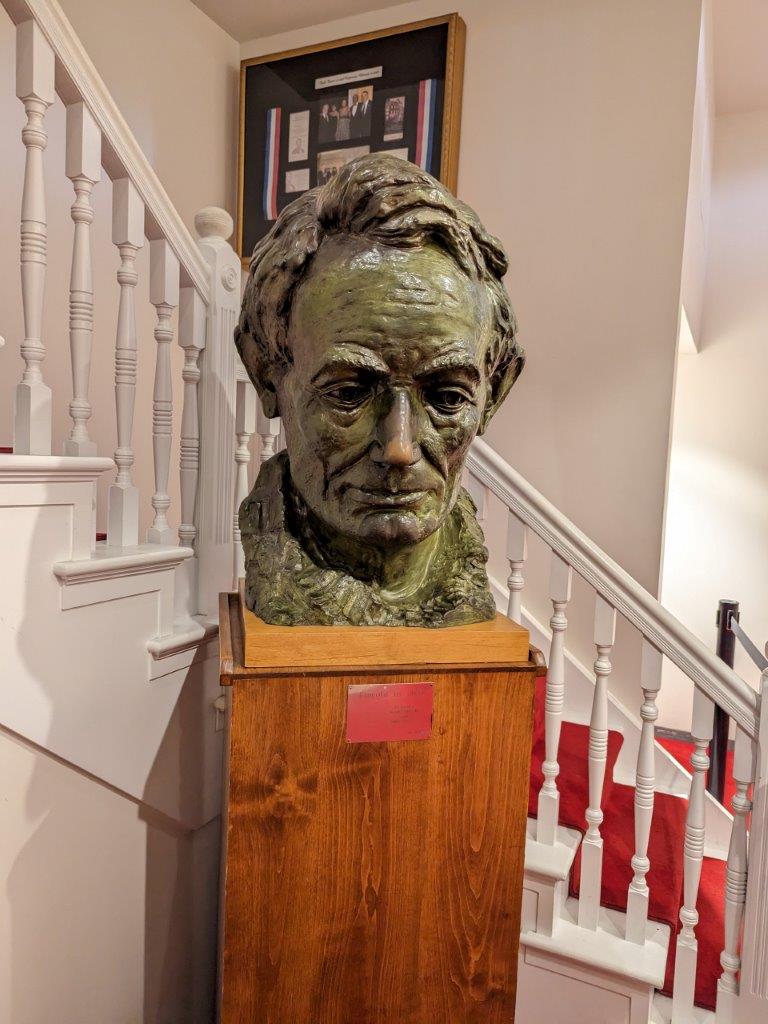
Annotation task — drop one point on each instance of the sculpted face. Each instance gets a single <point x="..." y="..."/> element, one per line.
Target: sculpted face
<point x="386" y="389"/>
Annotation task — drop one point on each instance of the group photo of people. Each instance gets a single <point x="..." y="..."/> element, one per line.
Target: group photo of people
<point x="331" y="161"/>
<point x="346" y="117"/>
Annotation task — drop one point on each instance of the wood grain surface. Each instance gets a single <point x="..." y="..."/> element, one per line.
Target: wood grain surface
<point x="375" y="882"/>
<point x="266" y="648"/>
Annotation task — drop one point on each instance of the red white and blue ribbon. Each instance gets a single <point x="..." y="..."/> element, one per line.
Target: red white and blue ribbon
<point x="425" y="123"/>
<point x="271" y="163"/>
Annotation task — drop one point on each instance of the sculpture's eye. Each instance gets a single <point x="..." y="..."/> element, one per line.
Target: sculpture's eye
<point x="349" y="395"/>
<point x="446" y="400"/>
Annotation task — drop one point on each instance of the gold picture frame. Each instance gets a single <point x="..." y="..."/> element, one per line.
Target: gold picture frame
<point x="450" y="102"/>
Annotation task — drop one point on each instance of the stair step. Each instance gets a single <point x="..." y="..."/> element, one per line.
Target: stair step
<point x="606" y="948"/>
<point x="111" y="563"/>
<point x="552" y="862"/>
<point x="54" y="469"/>
<point x="661" y="1012"/>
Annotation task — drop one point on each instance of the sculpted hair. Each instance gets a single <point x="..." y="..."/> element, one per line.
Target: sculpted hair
<point x="386" y="200"/>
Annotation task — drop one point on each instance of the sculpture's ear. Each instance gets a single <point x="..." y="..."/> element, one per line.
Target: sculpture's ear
<point x="505" y="374"/>
<point x="268" y="398"/>
<point x="254" y="362"/>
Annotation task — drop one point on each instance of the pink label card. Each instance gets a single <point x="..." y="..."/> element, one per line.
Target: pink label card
<point x="384" y="712"/>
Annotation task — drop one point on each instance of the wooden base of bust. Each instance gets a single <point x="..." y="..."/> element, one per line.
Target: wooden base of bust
<point x="376" y="881"/>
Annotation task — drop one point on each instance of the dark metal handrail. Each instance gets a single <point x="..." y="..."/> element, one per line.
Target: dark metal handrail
<point x="728" y="632"/>
<point x="727" y="612"/>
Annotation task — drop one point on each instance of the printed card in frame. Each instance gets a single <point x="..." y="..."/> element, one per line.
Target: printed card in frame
<point x="306" y="112"/>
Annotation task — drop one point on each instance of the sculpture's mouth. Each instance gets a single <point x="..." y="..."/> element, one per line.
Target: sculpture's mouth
<point x="386" y="499"/>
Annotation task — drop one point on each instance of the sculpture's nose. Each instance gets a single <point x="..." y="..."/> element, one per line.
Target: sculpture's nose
<point x="396" y="433"/>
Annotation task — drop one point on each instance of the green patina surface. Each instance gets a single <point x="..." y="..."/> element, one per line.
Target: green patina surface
<point x="376" y="325"/>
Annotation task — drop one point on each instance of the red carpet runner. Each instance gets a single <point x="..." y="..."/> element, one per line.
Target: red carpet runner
<point x="665" y="851"/>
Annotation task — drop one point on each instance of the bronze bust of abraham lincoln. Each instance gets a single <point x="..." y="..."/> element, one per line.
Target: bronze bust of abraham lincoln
<point x="376" y="324"/>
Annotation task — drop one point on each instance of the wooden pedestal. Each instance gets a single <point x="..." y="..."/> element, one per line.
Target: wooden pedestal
<point x="378" y="881"/>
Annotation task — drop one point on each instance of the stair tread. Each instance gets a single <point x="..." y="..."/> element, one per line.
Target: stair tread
<point x="661" y="1012"/>
<point x="554" y="862"/>
<point x="606" y="948"/>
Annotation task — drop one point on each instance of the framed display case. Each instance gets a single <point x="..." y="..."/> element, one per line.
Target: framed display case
<point x="305" y="113"/>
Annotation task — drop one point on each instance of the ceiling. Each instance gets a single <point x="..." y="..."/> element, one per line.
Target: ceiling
<point x="252" y="19"/>
<point x="740" y="45"/>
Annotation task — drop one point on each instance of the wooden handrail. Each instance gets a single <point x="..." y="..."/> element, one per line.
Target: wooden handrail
<point x="728" y="690"/>
<point x="77" y="79"/>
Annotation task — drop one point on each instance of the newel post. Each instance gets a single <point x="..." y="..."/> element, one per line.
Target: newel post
<point x="217" y="409"/>
<point x="752" y="1003"/>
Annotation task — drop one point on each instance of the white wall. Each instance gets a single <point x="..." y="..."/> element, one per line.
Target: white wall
<point x="700" y="182"/>
<point x="173" y="73"/>
<point x="108" y="910"/>
<point x="575" y="150"/>
<point x="717" y="528"/>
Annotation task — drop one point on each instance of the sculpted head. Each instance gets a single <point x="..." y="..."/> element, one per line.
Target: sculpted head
<point x="376" y="324"/>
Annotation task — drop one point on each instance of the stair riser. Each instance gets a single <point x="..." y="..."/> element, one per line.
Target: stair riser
<point x="551" y="989"/>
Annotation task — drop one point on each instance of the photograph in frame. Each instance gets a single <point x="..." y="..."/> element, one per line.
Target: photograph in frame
<point x="330" y="162"/>
<point x="394" y="118"/>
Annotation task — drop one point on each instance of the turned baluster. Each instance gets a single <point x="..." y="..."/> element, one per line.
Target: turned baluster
<point x="269" y="432"/>
<point x="164" y="296"/>
<point x="517" y="552"/>
<point x="192" y="314"/>
<point x="592" y="845"/>
<point x="35" y="88"/>
<point x="83" y="168"/>
<point x="744" y="761"/>
<point x="245" y="425"/>
<point x="128" y="236"/>
<point x="693" y="854"/>
<point x="560" y="580"/>
<point x="645" y="782"/>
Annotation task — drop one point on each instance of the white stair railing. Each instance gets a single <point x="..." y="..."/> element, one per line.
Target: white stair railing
<point x="164" y="296"/>
<point x="83" y="168"/>
<point x="752" y="997"/>
<point x="638" y="894"/>
<point x="221" y="369"/>
<point x="693" y="855"/>
<point x="269" y="434"/>
<point x="35" y="68"/>
<point x="714" y="682"/>
<point x="560" y="579"/>
<point x="201" y="279"/>
<point x="192" y="341"/>
<point x="245" y="426"/>
<point x="128" y="236"/>
<point x="592" y="847"/>
<point x="736" y="879"/>
<point x="517" y="552"/>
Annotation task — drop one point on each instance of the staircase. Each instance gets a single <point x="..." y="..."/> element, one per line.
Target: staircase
<point x="638" y="905"/>
<point x="598" y="913"/>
